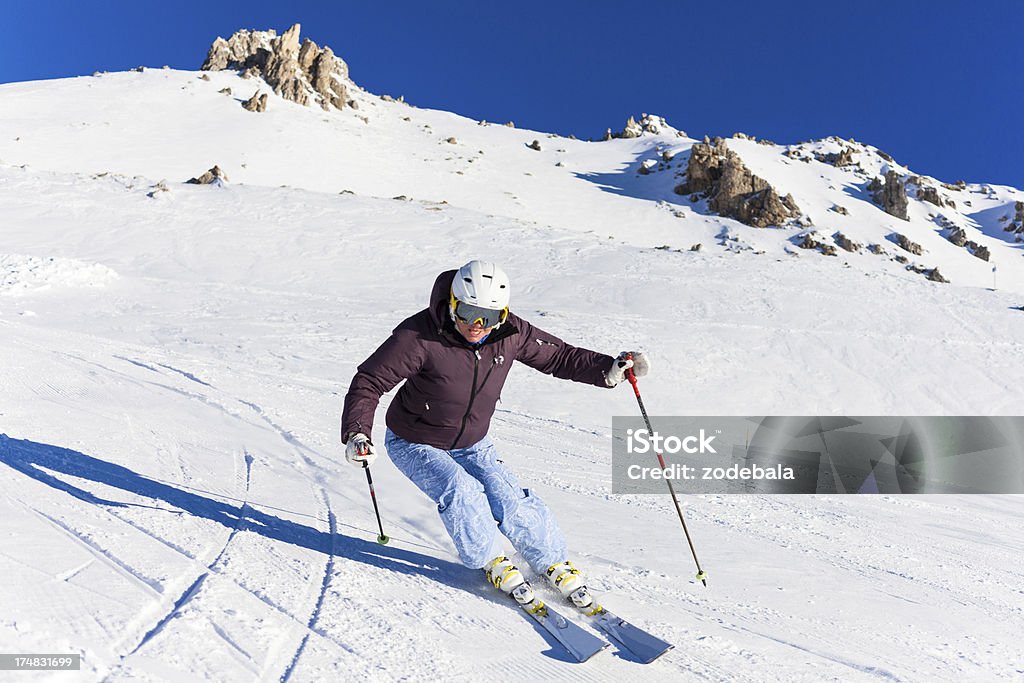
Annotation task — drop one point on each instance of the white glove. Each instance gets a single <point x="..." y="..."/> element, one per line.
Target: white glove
<point x="626" y="360"/>
<point x="360" y="451"/>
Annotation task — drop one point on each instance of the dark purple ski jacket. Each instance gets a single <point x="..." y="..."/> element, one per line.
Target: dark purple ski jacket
<point x="451" y="386"/>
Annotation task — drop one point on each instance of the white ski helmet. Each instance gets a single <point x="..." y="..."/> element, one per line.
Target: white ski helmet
<point x="480" y="293"/>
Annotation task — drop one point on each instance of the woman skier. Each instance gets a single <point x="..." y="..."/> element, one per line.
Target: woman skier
<point x="454" y="357"/>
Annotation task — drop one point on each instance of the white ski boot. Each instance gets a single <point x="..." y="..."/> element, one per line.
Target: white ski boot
<point x="567" y="580"/>
<point x="504" y="575"/>
<point x="507" y="578"/>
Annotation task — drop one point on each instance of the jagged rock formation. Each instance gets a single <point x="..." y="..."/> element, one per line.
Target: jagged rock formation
<point x="907" y="245"/>
<point x="632" y="129"/>
<point x="936" y="276"/>
<point x="215" y="176"/>
<point x="846" y="243"/>
<point x="157" y="189"/>
<point x="256" y="103"/>
<point x="891" y="195"/>
<point x="296" y="73"/>
<point x="648" y="123"/>
<point x="810" y="241"/>
<point x="1017" y="224"/>
<point x="843" y="158"/>
<point x="733" y="191"/>
<point x="929" y="193"/>
<point x="959" y="237"/>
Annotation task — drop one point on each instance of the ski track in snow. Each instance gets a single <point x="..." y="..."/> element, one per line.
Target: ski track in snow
<point x="315" y="614"/>
<point x="194" y="587"/>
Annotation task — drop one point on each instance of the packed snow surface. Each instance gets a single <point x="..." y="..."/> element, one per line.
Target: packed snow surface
<point x="173" y="496"/>
<point x="21" y="274"/>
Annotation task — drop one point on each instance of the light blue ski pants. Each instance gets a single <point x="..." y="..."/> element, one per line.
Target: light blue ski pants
<point x="476" y="497"/>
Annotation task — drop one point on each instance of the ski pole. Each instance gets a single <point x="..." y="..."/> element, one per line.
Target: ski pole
<point x="382" y="539"/>
<point x="650" y="430"/>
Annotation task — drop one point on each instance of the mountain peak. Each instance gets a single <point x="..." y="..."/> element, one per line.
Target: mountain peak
<point x="301" y="73"/>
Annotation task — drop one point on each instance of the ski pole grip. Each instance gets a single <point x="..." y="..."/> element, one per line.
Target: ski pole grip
<point x="631" y="376"/>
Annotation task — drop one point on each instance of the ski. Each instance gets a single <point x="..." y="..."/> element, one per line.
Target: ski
<point x="577" y="641"/>
<point x="645" y="646"/>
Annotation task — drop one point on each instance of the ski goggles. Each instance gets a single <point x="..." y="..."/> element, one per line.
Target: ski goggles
<point x="476" y="315"/>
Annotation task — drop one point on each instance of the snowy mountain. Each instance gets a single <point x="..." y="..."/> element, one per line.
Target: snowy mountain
<point x="174" y="125"/>
<point x="175" y="499"/>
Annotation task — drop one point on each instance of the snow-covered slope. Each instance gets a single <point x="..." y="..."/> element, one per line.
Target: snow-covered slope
<point x="166" y="124"/>
<point x="175" y="502"/>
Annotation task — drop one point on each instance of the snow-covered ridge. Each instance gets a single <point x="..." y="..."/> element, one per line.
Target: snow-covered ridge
<point x="175" y="125"/>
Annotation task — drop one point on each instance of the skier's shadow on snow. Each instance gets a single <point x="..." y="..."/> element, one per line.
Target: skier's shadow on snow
<point x="34" y="459"/>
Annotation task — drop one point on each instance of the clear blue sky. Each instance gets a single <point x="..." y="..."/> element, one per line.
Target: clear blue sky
<point x="939" y="85"/>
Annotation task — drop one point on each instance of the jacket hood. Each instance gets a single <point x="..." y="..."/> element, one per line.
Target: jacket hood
<point x="440" y="296"/>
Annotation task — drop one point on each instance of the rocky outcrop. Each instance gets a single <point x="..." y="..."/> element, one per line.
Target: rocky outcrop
<point x="843" y="158"/>
<point x="632" y="129"/>
<point x="1017" y="224"/>
<point x="959" y="237"/>
<point x="891" y="195"/>
<point x="256" y="103"/>
<point x="300" y="73"/>
<point x="846" y="243"/>
<point x="158" y="189"/>
<point x="936" y="276"/>
<point x="648" y="123"/>
<point x="811" y="241"/>
<point x="733" y="191"/>
<point x="930" y="194"/>
<point x="907" y="245"/>
<point x="214" y="176"/>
